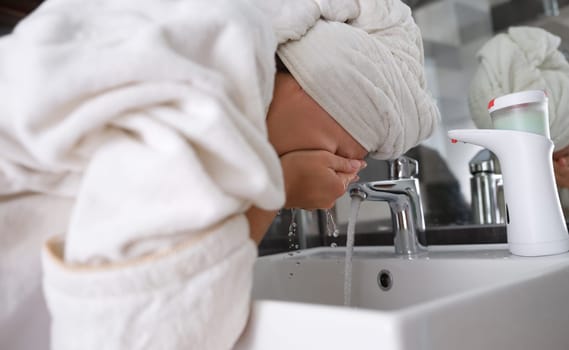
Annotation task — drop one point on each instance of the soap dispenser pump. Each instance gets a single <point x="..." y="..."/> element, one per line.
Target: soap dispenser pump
<point x="534" y="220"/>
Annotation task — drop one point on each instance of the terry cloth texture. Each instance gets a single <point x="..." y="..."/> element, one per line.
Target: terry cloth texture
<point x="367" y="72"/>
<point x="150" y="117"/>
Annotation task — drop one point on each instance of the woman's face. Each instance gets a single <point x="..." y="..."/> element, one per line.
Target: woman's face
<point x="296" y="122"/>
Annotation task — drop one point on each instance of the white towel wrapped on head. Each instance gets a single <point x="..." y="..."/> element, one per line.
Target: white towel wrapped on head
<point x="292" y="18"/>
<point x="368" y="74"/>
<point x="523" y="58"/>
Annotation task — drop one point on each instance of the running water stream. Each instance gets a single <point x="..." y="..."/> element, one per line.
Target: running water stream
<point x="350" y="240"/>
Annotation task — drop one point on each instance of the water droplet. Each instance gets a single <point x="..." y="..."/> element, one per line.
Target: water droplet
<point x="296" y="246"/>
<point x="333" y="245"/>
<point x="298" y="263"/>
<point x="290" y="234"/>
<point x="291" y="274"/>
<point x="293" y="224"/>
<point x="330" y="223"/>
<point x="336" y="233"/>
<point x="290" y="254"/>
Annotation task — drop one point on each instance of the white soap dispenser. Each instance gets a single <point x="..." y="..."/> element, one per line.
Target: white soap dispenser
<point x="534" y="219"/>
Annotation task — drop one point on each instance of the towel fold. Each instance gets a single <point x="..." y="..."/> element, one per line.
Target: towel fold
<point x="291" y="19"/>
<point x="523" y="58"/>
<point x="195" y="296"/>
<point x="22" y="220"/>
<point x="368" y="74"/>
<point x="139" y="112"/>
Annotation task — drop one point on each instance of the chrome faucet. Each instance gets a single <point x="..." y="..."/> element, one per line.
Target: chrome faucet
<point x="402" y="194"/>
<point x="487" y="189"/>
<point x="550" y="7"/>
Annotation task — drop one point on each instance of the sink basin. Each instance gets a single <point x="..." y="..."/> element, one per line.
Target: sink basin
<point x="456" y="297"/>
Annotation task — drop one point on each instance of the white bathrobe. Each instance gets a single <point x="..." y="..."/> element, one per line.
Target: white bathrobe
<point x="147" y="118"/>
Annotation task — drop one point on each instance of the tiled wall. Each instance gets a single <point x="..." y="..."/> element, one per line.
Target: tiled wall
<point x="453" y="31"/>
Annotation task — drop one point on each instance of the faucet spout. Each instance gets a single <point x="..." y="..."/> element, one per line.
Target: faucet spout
<point x="403" y="197"/>
<point x="396" y="192"/>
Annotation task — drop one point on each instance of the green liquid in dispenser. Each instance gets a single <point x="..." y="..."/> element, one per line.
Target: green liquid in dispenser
<point x="530" y="118"/>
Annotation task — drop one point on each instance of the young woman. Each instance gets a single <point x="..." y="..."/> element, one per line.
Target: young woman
<point x="168" y="131"/>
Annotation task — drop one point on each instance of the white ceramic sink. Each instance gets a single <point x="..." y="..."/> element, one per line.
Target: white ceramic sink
<point x="457" y="297"/>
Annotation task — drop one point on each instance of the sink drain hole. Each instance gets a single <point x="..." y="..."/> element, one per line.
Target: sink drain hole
<point x="384" y="280"/>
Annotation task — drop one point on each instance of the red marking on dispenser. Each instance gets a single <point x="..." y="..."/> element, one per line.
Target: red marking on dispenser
<point x="453" y="140"/>
<point x="491" y="103"/>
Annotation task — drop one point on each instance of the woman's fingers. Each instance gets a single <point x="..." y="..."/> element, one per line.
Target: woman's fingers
<point x="347" y="179"/>
<point x="315" y="179"/>
<point x="346" y="165"/>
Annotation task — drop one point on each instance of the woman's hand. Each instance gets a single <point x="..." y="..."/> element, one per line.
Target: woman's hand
<point x="561" y="170"/>
<point x="315" y="179"/>
<point x="561" y="167"/>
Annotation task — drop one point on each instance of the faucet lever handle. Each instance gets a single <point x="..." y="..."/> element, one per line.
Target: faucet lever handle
<point x="403" y="168"/>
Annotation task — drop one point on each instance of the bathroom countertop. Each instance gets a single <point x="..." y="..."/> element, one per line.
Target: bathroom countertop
<point x="436" y="235"/>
